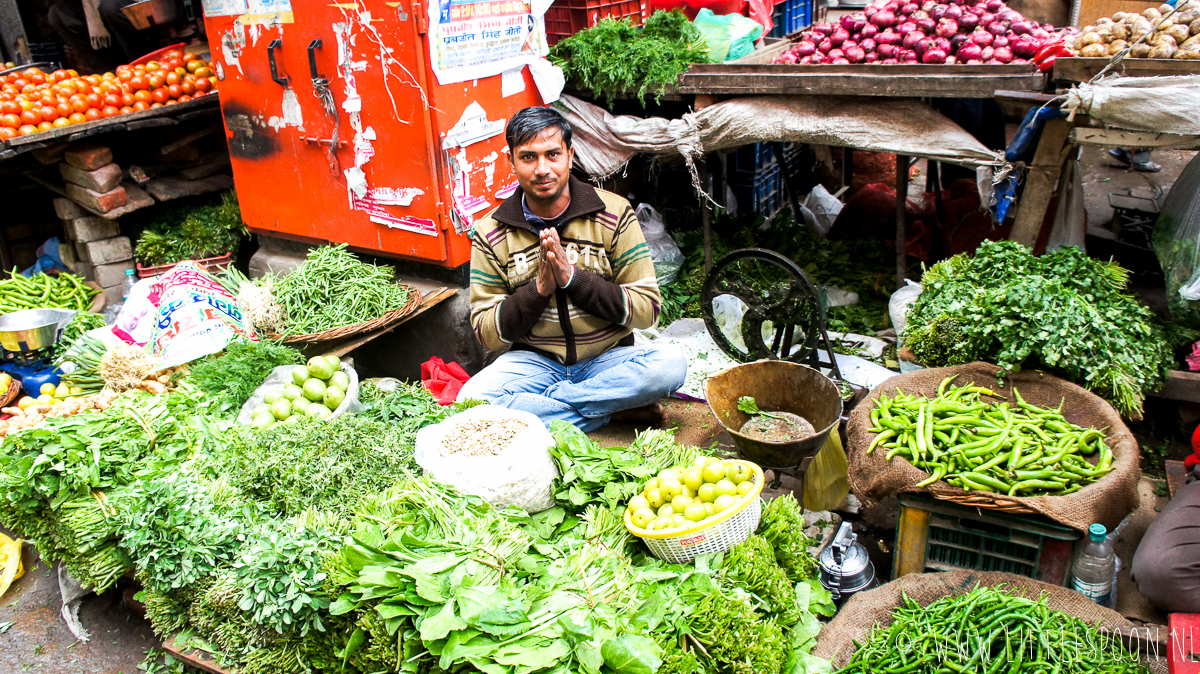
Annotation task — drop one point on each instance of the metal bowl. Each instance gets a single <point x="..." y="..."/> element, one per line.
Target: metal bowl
<point x="149" y="13"/>
<point x="32" y="329"/>
<point x="776" y="386"/>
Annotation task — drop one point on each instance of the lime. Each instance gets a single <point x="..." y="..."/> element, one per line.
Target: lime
<point x="726" y="487"/>
<point x="693" y="478"/>
<point x="739" y="473"/>
<point x="666" y="510"/>
<point x="272" y="396"/>
<point x="745" y="488"/>
<point x="695" y="512"/>
<point x="714" y="472"/>
<point x="707" y="492"/>
<point x="638" y="502"/>
<point x="670" y="488"/>
<point x="643" y="517"/>
<point x="314" y="389"/>
<point x="723" y="502"/>
<point x="680" y="503"/>
<point x="300" y="375"/>
<point x="654" y="497"/>
<point x="668" y="474"/>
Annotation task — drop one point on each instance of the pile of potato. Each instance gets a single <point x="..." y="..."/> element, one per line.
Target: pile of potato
<point x="1175" y="37"/>
<point x="34" y="413"/>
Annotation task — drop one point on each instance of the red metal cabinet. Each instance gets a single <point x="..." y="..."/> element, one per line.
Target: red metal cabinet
<point x="391" y="118"/>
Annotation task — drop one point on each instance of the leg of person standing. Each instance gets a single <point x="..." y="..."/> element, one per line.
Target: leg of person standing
<point x="133" y="42"/>
<point x="67" y="19"/>
<point x="1166" y="566"/>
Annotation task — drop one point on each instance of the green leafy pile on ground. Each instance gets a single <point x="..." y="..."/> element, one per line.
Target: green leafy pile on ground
<point x="230" y="377"/>
<point x="1063" y="312"/>
<point x="614" y="56"/>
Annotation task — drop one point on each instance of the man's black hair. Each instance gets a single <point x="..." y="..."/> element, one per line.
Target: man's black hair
<point x="529" y="122"/>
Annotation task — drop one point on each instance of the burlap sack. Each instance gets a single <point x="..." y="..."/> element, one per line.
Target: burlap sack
<point x="863" y="610"/>
<point x="873" y="477"/>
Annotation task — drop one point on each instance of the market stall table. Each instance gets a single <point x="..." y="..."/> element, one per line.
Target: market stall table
<point x="1081" y="69"/>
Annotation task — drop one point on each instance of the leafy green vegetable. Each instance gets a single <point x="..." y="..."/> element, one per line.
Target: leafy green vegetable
<point x="782" y="525"/>
<point x="229" y="378"/>
<point x="1062" y="311"/>
<point x="79" y="324"/>
<point x="614" y="56"/>
<point x="193" y="233"/>
<point x="280" y="577"/>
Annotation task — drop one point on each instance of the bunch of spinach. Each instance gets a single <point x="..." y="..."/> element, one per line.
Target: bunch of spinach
<point x="614" y="56"/>
<point x="1063" y="311"/>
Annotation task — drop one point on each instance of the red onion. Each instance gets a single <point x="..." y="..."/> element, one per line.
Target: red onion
<point x="884" y="19"/>
<point x="839" y="36"/>
<point x="825" y="46"/>
<point x="840" y="62"/>
<point x="951" y="60"/>
<point x="787" y="57"/>
<point x="889" y="62"/>
<point x="818" y="58"/>
<point x="823" y="28"/>
<point x="974" y="62"/>
<point x="872" y="57"/>
<point x="986" y="54"/>
<point x="996" y="28"/>
<point x="869" y="45"/>
<point x="919" y="14"/>
<point x="933" y="56"/>
<point x="911" y="57"/>
<point x="968" y="22"/>
<point x="1009" y="16"/>
<point x="909" y="8"/>
<point x="981" y="37"/>
<point x="870" y="11"/>
<point x="937" y="12"/>
<point x="855" y="54"/>
<point x="958" y="40"/>
<point x="911" y="39"/>
<point x="995" y="5"/>
<point x="924" y="46"/>
<point x="869" y="30"/>
<point x="906" y="27"/>
<point x="805" y="60"/>
<point x="1000" y="41"/>
<point x="836" y="54"/>
<point x="892" y="6"/>
<point x="979" y="8"/>
<point x="888" y="37"/>
<point x="926" y="26"/>
<point x="986" y="18"/>
<point x="947" y="28"/>
<point x="928" y="5"/>
<point x="1021" y="27"/>
<point x="887" y="51"/>
<point x="970" y="51"/>
<point x="1039" y="35"/>
<point x="953" y="12"/>
<point x="853" y="23"/>
<point x="942" y="43"/>
<point x="805" y="49"/>
<point x="1019" y="61"/>
<point x="1003" y="54"/>
<point x="1025" y="47"/>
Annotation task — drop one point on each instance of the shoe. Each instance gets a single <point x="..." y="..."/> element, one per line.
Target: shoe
<point x="1122" y="155"/>
<point x="1146" y="166"/>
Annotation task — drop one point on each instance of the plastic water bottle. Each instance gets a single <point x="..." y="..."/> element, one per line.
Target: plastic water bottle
<point x="127" y="284"/>
<point x="1095" y="565"/>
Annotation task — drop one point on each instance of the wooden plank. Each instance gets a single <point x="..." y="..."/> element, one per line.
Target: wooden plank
<point x="193" y="657"/>
<point x="1181" y="385"/>
<point x="1176" y="476"/>
<point x="912" y="538"/>
<point x="908" y="81"/>
<point x="112" y="123"/>
<point x="1121" y="138"/>
<point x="1079" y="69"/>
<point x="1040" y="182"/>
<point x="1023" y="97"/>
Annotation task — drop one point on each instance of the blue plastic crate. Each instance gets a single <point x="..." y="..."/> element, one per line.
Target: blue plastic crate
<point x="790" y="16"/>
<point x="760" y="191"/>
<point x="750" y="158"/>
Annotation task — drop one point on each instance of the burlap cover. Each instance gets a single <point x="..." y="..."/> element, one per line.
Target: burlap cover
<point x="863" y="610"/>
<point x="873" y="477"/>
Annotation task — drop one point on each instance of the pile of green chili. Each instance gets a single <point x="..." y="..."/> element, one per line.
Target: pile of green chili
<point x="973" y="444"/>
<point x="333" y="288"/>
<point x="988" y="630"/>
<point x="43" y="291"/>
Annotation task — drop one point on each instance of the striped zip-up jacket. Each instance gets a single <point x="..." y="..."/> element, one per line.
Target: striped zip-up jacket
<point x="613" y="291"/>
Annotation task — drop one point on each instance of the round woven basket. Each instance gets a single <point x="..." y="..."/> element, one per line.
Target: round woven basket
<point x="718" y="534"/>
<point x="344" y="331"/>
<point x="14" y="389"/>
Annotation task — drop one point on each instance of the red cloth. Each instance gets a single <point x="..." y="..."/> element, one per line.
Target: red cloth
<point x="444" y="380"/>
<point x="1194" y="460"/>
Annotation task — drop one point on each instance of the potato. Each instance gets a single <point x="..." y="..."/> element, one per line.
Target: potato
<point x="1093" y="51"/>
<point x="1120" y="31"/>
<point x="1152" y="14"/>
<point x="1116" y="46"/>
<point x="1120" y="16"/>
<point x="1194" y="27"/>
<point x="1090" y="39"/>
<point x="1164" y="39"/>
<point x="1165" y="9"/>
<point x="1186" y="16"/>
<point x="1179" y="32"/>
<point x="1140" y="51"/>
<point x="1193" y="41"/>
<point x="1104" y="22"/>
<point x="1188" y="53"/>
<point x="1163" y="51"/>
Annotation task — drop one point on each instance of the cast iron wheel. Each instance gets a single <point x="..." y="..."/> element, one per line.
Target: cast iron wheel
<point x="773" y="289"/>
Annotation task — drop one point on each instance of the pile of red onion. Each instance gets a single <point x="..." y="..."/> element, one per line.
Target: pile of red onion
<point x="890" y="32"/>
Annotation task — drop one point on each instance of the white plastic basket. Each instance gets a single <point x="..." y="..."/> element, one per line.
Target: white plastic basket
<point x="730" y="528"/>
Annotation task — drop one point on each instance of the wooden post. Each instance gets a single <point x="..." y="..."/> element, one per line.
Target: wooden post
<point x="901" y="210"/>
<point x="705" y="213"/>
<point x="1039" y="183"/>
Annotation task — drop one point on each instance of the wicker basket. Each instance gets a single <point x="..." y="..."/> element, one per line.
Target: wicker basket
<point x="14" y="389"/>
<point x="719" y="534"/>
<point x="344" y="331"/>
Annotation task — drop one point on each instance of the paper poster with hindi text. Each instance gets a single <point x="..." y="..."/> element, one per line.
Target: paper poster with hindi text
<point x="473" y="39"/>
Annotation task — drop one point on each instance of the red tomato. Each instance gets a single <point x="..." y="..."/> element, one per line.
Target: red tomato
<point x="139" y="82"/>
<point x="64" y="109"/>
<point x="60" y="123"/>
<point x="10" y="108"/>
<point x="79" y="103"/>
<point x="10" y="121"/>
<point x="45" y="126"/>
<point x="27" y="129"/>
<point x="161" y="95"/>
<point x="92" y="114"/>
<point x="203" y="85"/>
<point x="95" y="100"/>
<point x="7" y="133"/>
<point x="140" y="105"/>
<point x="174" y="91"/>
<point x="156" y="81"/>
<point x="172" y="78"/>
<point x="143" y="96"/>
<point x="126" y="109"/>
<point x="110" y="111"/>
<point x="156" y="104"/>
<point x="187" y="88"/>
<point x="32" y="116"/>
<point x="112" y="100"/>
<point x="77" y="118"/>
<point x="49" y="114"/>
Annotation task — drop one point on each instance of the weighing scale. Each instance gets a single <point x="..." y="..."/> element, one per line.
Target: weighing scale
<point x="27" y="340"/>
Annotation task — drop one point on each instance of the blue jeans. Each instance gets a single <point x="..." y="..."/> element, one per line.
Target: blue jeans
<point x="586" y="393"/>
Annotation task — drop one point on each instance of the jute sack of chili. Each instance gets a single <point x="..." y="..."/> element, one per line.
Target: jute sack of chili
<point x="873" y="477"/>
<point x="866" y="609"/>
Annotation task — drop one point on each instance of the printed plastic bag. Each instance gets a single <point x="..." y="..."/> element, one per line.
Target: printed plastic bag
<point x="520" y="475"/>
<point x="196" y="316"/>
<point x="282" y="376"/>
<point x="827" y="481"/>
<point x="1176" y="242"/>
<point x="668" y="259"/>
<point x="730" y="36"/>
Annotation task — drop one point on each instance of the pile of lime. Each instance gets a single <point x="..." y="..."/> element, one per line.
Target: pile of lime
<point x="317" y="389"/>
<point x="684" y="496"/>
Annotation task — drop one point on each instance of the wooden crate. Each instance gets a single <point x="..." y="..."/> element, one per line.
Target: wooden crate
<point x="1079" y="69"/>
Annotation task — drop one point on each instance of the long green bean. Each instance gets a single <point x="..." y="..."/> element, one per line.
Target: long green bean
<point x="988" y="630"/>
<point x="333" y="288"/>
<point x="1018" y="450"/>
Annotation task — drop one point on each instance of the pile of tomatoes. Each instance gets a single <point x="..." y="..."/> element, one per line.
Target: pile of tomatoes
<point x="32" y="101"/>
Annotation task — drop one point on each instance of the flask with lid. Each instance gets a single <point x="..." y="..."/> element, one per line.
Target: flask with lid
<point x="1095" y="562"/>
<point x="846" y="568"/>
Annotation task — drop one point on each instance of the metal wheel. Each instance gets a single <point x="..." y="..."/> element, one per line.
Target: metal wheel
<point x="774" y="290"/>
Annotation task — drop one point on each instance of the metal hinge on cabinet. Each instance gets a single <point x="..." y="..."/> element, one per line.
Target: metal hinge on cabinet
<point x="418" y="9"/>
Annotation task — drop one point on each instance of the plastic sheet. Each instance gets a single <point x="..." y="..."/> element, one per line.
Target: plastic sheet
<point x="827" y="481"/>
<point x="729" y="36"/>
<point x="1176" y="242"/>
